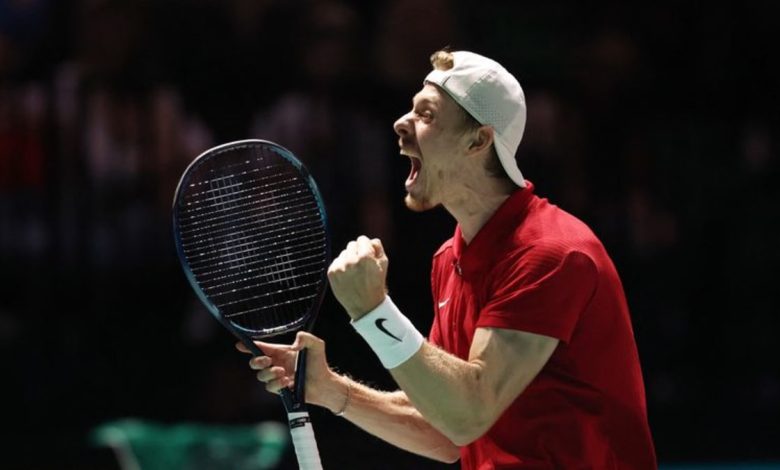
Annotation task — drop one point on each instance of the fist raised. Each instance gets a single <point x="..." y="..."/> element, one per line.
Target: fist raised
<point x="358" y="276"/>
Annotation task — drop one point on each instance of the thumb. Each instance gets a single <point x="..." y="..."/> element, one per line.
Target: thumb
<point x="379" y="250"/>
<point x="308" y="341"/>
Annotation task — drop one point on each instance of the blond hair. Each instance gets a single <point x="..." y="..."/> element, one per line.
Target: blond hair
<point x="442" y="60"/>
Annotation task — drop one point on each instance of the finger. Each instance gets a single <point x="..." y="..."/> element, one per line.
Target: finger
<point x="365" y="249"/>
<point x="275" y="385"/>
<point x="337" y="264"/>
<point x="259" y="362"/>
<point x="379" y="250"/>
<point x="352" y="247"/>
<point x="376" y="252"/>
<point x="265" y="347"/>
<point x="271" y="374"/>
<point x="308" y="341"/>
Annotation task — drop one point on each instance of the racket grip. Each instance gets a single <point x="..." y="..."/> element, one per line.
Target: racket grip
<point x="303" y="440"/>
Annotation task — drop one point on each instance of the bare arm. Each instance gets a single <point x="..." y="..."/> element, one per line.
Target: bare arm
<point x="463" y="399"/>
<point x="387" y="415"/>
<point x="391" y="417"/>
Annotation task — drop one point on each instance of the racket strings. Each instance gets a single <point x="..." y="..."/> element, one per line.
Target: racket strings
<point x="252" y="300"/>
<point x="272" y="307"/>
<point x="223" y="173"/>
<point x="228" y="273"/>
<point x="253" y="236"/>
<point x="197" y="238"/>
<point x="215" y="207"/>
<point x="285" y="277"/>
<point x="264" y="243"/>
<point x="219" y="279"/>
<point x="238" y="203"/>
<point x="214" y="191"/>
<point x="255" y="240"/>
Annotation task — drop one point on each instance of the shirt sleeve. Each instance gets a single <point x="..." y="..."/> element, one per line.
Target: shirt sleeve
<point x="542" y="291"/>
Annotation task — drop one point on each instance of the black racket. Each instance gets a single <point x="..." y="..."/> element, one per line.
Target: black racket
<point x="252" y="236"/>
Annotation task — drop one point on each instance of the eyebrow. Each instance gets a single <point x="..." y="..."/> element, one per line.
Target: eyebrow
<point x="422" y="100"/>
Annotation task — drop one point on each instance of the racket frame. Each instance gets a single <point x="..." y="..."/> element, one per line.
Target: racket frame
<point x="294" y="400"/>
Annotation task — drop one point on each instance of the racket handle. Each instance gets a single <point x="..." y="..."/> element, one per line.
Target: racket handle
<point x="303" y="440"/>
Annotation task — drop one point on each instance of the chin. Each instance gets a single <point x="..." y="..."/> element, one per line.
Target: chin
<point x="417" y="205"/>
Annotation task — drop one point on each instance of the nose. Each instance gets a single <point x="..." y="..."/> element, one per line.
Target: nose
<point x="402" y="126"/>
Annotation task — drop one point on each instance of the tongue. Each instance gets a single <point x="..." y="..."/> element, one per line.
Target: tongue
<point x="416" y="164"/>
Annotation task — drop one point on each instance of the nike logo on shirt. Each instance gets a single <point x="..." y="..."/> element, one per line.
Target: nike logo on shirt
<point x="443" y="303"/>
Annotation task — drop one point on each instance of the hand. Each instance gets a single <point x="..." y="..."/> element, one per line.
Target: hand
<point x="277" y="368"/>
<point x="358" y="276"/>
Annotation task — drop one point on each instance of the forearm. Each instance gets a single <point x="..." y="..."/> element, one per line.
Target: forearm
<point x="448" y="392"/>
<point x="387" y="415"/>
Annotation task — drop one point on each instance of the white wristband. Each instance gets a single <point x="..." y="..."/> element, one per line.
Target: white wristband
<point x="389" y="333"/>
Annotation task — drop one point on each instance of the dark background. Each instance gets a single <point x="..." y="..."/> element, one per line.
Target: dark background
<point x="654" y="122"/>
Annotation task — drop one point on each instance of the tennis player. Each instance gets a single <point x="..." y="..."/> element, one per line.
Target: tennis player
<point x="531" y="361"/>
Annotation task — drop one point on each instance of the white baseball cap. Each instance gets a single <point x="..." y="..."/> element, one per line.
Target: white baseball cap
<point x="493" y="96"/>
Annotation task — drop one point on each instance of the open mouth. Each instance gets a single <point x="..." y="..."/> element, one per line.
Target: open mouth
<point x="415" y="170"/>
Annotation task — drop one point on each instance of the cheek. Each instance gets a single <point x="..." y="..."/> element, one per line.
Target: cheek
<point x="430" y="140"/>
<point x="421" y="131"/>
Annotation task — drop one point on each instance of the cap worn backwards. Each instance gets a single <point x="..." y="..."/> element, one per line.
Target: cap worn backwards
<point x="493" y="96"/>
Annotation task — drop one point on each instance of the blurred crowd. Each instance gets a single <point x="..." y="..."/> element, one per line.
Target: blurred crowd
<point x="656" y="123"/>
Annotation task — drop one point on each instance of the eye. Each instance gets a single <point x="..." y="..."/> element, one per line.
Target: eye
<point x="425" y="115"/>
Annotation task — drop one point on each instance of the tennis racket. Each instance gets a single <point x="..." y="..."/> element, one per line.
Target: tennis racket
<point x="252" y="236"/>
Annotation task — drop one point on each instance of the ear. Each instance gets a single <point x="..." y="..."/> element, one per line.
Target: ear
<point x="481" y="140"/>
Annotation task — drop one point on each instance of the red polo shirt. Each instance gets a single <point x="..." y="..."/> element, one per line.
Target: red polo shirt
<point x="535" y="268"/>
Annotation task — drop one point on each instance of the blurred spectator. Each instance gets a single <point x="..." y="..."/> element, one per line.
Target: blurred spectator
<point x="23" y="173"/>
<point x="25" y="165"/>
<point x="122" y="137"/>
<point x="125" y="137"/>
<point x="226" y="56"/>
<point x="329" y="126"/>
<point x="552" y="152"/>
<point x="408" y="31"/>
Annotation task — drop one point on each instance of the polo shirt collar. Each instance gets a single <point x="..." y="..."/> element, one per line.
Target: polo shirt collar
<point x="472" y="259"/>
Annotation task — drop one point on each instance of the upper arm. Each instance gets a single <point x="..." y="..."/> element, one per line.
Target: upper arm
<point x="543" y="292"/>
<point x="535" y="303"/>
<point x="508" y="361"/>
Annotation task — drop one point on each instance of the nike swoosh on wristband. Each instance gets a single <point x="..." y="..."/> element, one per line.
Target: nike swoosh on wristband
<point x="443" y="302"/>
<point x="379" y="324"/>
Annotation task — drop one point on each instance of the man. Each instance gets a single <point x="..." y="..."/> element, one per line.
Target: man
<point x="531" y="361"/>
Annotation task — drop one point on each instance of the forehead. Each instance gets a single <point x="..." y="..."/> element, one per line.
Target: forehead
<point x="433" y="95"/>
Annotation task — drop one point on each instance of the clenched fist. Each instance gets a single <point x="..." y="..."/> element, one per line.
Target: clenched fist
<point x="358" y="276"/>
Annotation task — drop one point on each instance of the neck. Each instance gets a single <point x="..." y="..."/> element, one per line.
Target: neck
<point x="476" y="203"/>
